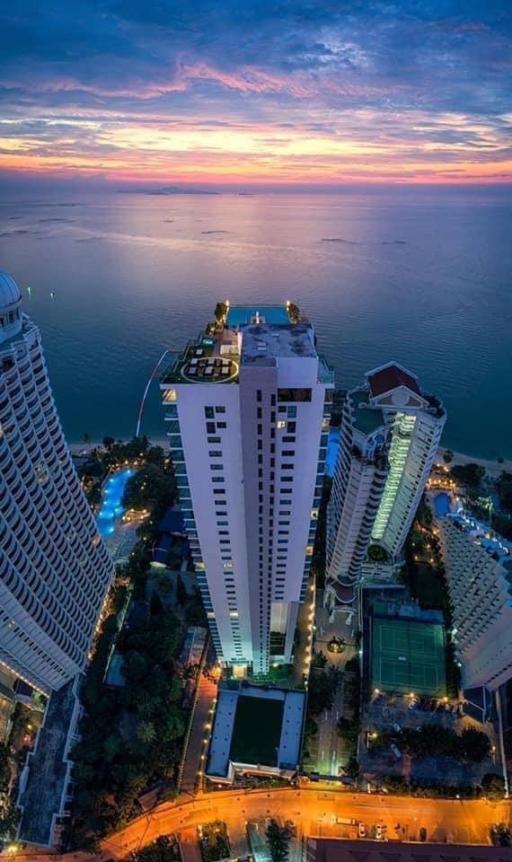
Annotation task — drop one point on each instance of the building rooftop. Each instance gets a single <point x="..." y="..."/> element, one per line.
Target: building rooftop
<point x="367" y="419"/>
<point x="266" y="342"/>
<point x="389" y="377"/>
<point x="45" y="775"/>
<point x="257" y="727"/>
<point x="243" y="315"/>
<point x="249" y="335"/>
<point x="341" y="850"/>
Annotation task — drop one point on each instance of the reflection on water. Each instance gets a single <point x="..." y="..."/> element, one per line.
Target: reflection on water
<point x="416" y="276"/>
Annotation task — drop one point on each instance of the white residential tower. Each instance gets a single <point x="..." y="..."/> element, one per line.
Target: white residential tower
<point x="248" y="406"/>
<point x="54" y="569"/>
<point x="389" y="438"/>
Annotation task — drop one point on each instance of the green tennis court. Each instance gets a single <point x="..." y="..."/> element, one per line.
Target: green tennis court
<point x="408" y="656"/>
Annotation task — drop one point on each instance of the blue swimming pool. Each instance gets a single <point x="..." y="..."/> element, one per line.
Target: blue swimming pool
<point x="442" y="504"/>
<point x="332" y="451"/>
<point x="111" y="507"/>
<point x="239" y="315"/>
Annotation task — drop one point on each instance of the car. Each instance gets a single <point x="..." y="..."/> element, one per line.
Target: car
<point x="396" y="751"/>
<point x="361" y="830"/>
<point x="396" y="727"/>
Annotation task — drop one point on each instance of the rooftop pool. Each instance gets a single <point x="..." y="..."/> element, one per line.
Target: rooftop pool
<point x="111" y="507"/>
<point x="442" y="504"/>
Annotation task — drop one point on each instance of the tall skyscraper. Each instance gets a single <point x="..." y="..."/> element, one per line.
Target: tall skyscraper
<point x="479" y="575"/>
<point x="389" y="437"/>
<point x="248" y="407"/>
<point x="54" y="569"/>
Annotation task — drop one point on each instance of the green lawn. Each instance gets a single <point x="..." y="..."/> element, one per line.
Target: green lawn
<point x="257" y="730"/>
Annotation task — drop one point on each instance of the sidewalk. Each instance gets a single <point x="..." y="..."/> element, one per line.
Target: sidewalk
<point x="206" y="695"/>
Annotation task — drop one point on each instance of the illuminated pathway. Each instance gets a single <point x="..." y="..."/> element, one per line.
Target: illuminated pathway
<point x="313" y="811"/>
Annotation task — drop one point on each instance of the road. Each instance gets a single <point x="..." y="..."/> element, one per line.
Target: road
<point x="313" y="810"/>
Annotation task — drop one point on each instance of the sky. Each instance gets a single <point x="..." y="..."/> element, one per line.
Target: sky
<point x="252" y="92"/>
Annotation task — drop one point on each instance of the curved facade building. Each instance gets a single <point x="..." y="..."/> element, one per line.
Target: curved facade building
<point x="357" y="489"/>
<point x="390" y="434"/>
<point x="54" y="569"/>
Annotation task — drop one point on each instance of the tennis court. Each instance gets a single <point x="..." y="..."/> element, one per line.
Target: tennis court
<point x="408" y="656"/>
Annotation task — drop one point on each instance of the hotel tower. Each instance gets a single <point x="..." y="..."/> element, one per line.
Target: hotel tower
<point x="54" y="570"/>
<point x="390" y="434"/>
<point x="247" y="406"/>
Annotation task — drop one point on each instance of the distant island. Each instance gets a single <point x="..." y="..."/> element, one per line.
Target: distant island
<point x="166" y="190"/>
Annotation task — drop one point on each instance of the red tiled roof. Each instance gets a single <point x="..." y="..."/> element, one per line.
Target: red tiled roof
<point x="343" y="593"/>
<point x="389" y="378"/>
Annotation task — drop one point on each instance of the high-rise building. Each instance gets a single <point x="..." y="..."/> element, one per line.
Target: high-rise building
<point x="389" y="437"/>
<point x="54" y="569"/>
<point x="478" y="568"/>
<point x="248" y="406"/>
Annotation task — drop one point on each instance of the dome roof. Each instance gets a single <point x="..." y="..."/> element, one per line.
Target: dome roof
<point x="9" y="290"/>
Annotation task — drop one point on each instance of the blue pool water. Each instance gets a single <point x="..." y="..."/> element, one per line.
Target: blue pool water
<point x="240" y="315"/>
<point x="111" y="508"/>
<point x="332" y="451"/>
<point x="442" y="504"/>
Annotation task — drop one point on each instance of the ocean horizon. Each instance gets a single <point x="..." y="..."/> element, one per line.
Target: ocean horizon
<point x="417" y="276"/>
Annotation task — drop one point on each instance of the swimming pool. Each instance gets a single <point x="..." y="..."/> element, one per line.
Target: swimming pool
<point x="442" y="504"/>
<point x="111" y="507"/>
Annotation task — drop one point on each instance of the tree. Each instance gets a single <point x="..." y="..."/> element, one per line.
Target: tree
<point x="146" y="731"/>
<point x="220" y="311"/>
<point x="322" y="687"/>
<point x="348" y="730"/>
<point x="278" y="839"/>
<point x="474" y="744"/>
<point x="447" y="456"/>
<point x="501" y="835"/>
<point x="108" y="442"/>
<point x="493" y="786"/>
<point x="181" y="591"/>
<point x="151" y="487"/>
<point x="377" y="554"/>
<point x="319" y="660"/>
<point x="164" y="849"/>
<point x="468" y="474"/>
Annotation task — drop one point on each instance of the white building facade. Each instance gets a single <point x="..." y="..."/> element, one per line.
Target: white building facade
<point x="479" y="575"/>
<point x="248" y="408"/>
<point x="54" y="569"/>
<point x="389" y="438"/>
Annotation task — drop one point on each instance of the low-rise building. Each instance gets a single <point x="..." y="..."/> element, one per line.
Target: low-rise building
<point x="256" y="731"/>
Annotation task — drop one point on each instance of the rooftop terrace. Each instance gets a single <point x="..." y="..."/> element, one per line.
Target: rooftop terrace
<point x="243" y="315"/>
<point x="246" y="335"/>
<point x="367" y="419"/>
<point x="46" y="772"/>
<point x="267" y="342"/>
<point x="257" y="727"/>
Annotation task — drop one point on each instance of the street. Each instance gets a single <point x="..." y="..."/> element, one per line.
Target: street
<point x="314" y="811"/>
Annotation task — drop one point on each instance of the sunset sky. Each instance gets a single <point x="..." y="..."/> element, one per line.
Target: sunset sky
<point x="309" y="92"/>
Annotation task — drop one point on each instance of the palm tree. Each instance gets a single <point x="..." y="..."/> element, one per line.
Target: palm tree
<point x="277" y="839"/>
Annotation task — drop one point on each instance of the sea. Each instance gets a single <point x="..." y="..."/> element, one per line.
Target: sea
<point x="421" y="276"/>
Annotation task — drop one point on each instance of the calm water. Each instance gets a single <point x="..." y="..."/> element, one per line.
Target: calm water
<point x="420" y="277"/>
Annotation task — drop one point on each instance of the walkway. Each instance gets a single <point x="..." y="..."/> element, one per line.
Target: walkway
<point x="196" y="747"/>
